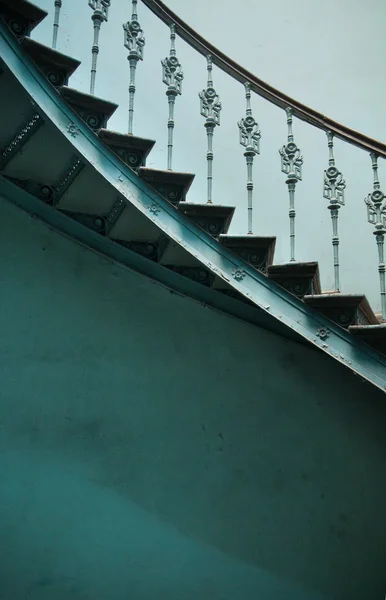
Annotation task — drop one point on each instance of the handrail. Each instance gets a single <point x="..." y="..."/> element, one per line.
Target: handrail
<point x="226" y="64"/>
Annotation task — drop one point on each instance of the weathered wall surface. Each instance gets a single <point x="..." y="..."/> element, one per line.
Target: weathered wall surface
<point x="151" y="448"/>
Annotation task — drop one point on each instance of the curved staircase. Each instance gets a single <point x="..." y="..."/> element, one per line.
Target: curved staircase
<point x="59" y="161"/>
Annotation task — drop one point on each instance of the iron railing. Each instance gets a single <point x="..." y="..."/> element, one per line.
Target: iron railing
<point x="291" y="158"/>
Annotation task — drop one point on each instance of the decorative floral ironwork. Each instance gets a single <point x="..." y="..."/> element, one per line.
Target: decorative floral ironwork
<point x="238" y="274"/>
<point x="210" y="107"/>
<point x="172" y="76"/>
<point x="323" y="333"/>
<point x="100" y="7"/>
<point x="73" y="130"/>
<point x="291" y="165"/>
<point x="154" y="209"/>
<point x="333" y="191"/>
<point x="376" y="215"/>
<point x="134" y="41"/>
<point x="250" y="135"/>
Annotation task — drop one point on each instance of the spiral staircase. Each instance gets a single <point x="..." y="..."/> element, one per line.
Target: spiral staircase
<point x="61" y="163"/>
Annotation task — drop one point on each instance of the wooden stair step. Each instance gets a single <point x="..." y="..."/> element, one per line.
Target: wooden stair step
<point x="299" y="278"/>
<point x="94" y="111"/>
<point x="374" y="335"/>
<point x="215" y="219"/>
<point x="172" y="185"/>
<point x="21" y="16"/>
<point x="256" y="250"/>
<point x="132" y="150"/>
<point x="57" y="67"/>
<point x="343" y="309"/>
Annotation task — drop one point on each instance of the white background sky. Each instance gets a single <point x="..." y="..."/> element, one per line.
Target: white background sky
<point x="326" y="53"/>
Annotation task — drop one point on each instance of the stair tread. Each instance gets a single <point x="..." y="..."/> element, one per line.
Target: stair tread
<point x="247" y="241"/>
<point x="206" y="209"/>
<point x="39" y="51"/>
<point x="348" y="301"/>
<point x="344" y="300"/>
<point x="160" y="175"/>
<point x="294" y="268"/>
<point x="376" y="331"/>
<point x="172" y="185"/>
<point x="87" y="100"/>
<point x="32" y="13"/>
<point x="215" y="219"/>
<point x="126" y="140"/>
<point x="257" y="250"/>
<point x="294" y="275"/>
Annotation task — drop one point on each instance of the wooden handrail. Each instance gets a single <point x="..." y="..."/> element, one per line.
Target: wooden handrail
<point x="226" y="64"/>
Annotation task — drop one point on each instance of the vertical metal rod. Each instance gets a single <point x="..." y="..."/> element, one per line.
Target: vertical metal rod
<point x="291" y="165"/>
<point x="249" y="138"/>
<point x="95" y="52"/>
<point x="335" y="247"/>
<point x="376" y="214"/>
<point x="171" y="100"/>
<point x="210" y="107"/>
<point x="292" y="215"/>
<point x="380" y="238"/>
<point x="172" y="76"/>
<point x="134" y="41"/>
<point x="333" y="191"/>
<point x="58" y="6"/>
<point x="100" y="14"/>
<point x="209" y="158"/>
<point x="132" y="89"/>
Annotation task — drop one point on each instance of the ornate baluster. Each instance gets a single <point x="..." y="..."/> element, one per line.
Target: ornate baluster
<point x="172" y="77"/>
<point x="210" y="109"/>
<point x="250" y="135"/>
<point x="58" y="6"/>
<point x="134" y="41"/>
<point x="291" y="165"/>
<point x="101" y="13"/>
<point x="334" y="186"/>
<point x="376" y="213"/>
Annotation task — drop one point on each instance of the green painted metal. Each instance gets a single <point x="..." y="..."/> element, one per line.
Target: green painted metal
<point x="264" y="293"/>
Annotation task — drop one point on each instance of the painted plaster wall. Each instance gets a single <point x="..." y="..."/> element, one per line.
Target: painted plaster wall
<point x="151" y="448"/>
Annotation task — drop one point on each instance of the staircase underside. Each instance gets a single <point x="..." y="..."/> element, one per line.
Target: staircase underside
<point x="60" y="163"/>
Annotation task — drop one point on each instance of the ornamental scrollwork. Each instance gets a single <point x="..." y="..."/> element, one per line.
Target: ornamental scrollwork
<point x="334" y="185"/>
<point x="291" y="160"/>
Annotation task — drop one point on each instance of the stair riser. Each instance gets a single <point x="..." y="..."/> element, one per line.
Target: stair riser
<point x="95" y="120"/>
<point x="173" y="193"/>
<point x="260" y="259"/>
<point x="299" y="287"/>
<point x="135" y="159"/>
<point x="215" y="226"/>
<point x="345" y="317"/>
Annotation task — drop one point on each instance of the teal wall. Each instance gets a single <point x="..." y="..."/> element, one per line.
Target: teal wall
<point x="154" y="449"/>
